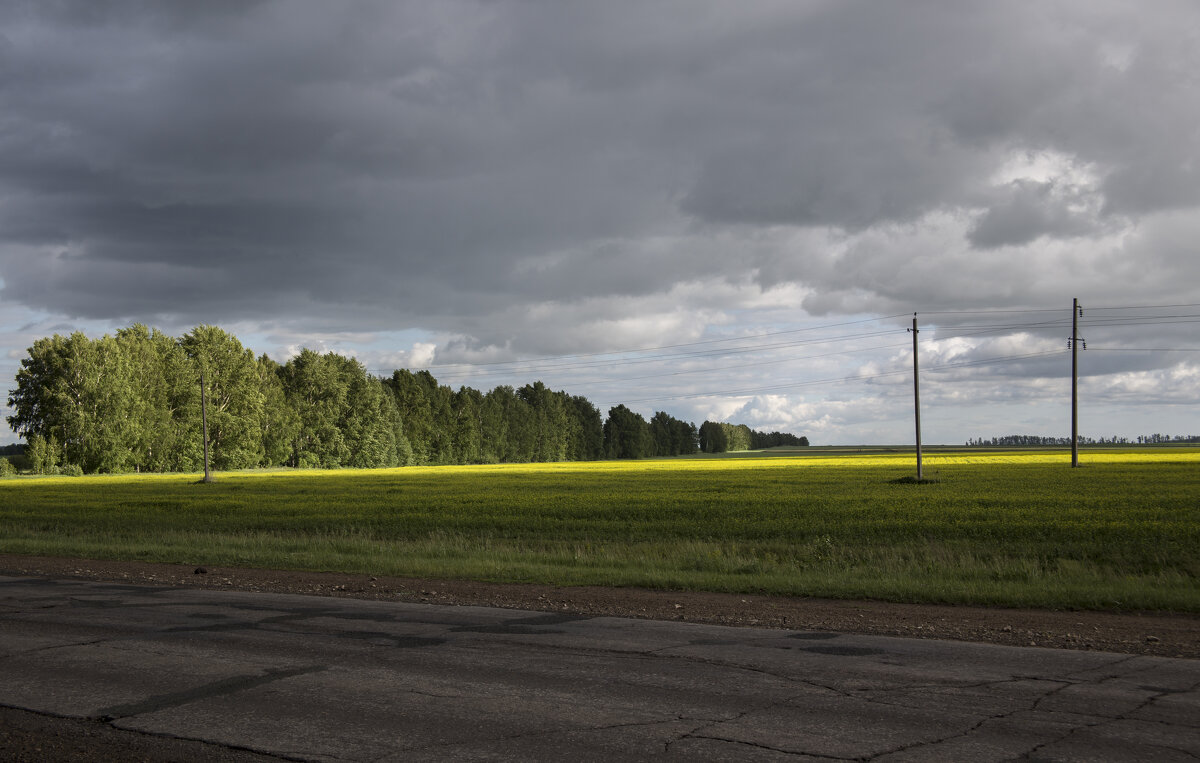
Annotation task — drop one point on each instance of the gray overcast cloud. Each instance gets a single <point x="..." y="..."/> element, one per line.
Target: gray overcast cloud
<point x="514" y="179"/>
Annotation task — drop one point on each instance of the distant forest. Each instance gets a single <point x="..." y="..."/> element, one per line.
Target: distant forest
<point x="131" y="402"/>
<point x="1025" y="439"/>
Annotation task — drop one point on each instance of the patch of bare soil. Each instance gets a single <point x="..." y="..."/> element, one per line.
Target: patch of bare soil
<point x="1164" y="635"/>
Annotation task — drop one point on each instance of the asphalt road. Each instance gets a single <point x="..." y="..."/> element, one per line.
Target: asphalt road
<point x="312" y="678"/>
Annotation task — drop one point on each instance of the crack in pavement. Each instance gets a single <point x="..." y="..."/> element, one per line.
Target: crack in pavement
<point x="1083" y="726"/>
<point x="1156" y="695"/>
<point x="950" y="737"/>
<point x="52" y="647"/>
<point x="646" y="654"/>
<point x="215" y="689"/>
<point x="160" y="735"/>
<point x="1117" y="661"/>
<point x="712" y="723"/>
<point x="698" y="733"/>
<point x="784" y="702"/>
<point x="380" y="638"/>
<point x="514" y="626"/>
<point x="547" y="733"/>
<point x="295" y="757"/>
<point x="757" y="746"/>
<point x="1108" y="721"/>
<point x="1029" y="754"/>
<point x="661" y="653"/>
<point x="1031" y="707"/>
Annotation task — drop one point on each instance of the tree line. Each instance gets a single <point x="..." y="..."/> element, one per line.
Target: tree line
<point x="131" y="402"/>
<point x="719" y="437"/>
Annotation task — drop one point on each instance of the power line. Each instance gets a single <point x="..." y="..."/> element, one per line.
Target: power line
<point x="735" y="346"/>
<point x="694" y="372"/>
<point x="711" y="353"/>
<point x="1027" y="324"/>
<point x="843" y="379"/>
<point x="539" y="364"/>
<point x="1143" y="307"/>
<point x="958" y="333"/>
<point x="985" y="312"/>
<point x="960" y="330"/>
<point x="1087" y="308"/>
<point x="1118" y="319"/>
<point x="536" y="368"/>
<point x="668" y="346"/>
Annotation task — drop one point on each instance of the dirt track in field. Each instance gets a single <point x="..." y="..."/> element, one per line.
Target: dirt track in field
<point x="1164" y="635"/>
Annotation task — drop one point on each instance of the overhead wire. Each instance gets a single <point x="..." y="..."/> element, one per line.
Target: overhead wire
<point x="987" y="312"/>
<point x="694" y="372"/>
<point x="860" y="377"/>
<point x="671" y="346"/>
<point x="545" y="363"/>
<point x="737" y="346"/>
<point x="1144" y="307"/>
<point x="617" y="362"/>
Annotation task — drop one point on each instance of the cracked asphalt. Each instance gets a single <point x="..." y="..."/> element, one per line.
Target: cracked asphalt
<point x="95" y="670"/>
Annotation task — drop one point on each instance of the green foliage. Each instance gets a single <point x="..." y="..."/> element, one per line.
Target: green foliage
<point x="280" y="420"/>
<point x="672" y="437"/>
<point x="412" y="404"/>
<point x="627" y="435"/>
<point x="318" y="391"/>
<point x="587" y="442"/>
<point x="75" y="391"/>
<point x="720" y="437"/>
<point x="132" y="403"/>
<point x="505" y="427"/>
<point x="44" y="454"/>
<point x="344" y="416"/>
<point x="552" y="428"/>
<point x="713" y="438"/>
<point x="114" y="404"/>
<point x="520" y="435"/>
<point x="151" y="434"/>
<point x="761" y="440"/>
<point x="737" y="436"/>
<point x="6" y="468"/>
<point x="235" y="399"/>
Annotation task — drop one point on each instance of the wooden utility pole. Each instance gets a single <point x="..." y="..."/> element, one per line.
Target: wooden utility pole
<point x="204" y="423"/>
<point x="1075" y="382"/>
<point x="917" y="396"/>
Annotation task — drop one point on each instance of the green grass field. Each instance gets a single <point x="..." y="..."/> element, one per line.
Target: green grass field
<point x="1016" y="528"/>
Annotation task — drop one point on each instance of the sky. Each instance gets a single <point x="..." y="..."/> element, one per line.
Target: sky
<point x="726" y="211"/>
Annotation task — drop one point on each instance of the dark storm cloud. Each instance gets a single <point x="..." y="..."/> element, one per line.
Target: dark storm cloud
<point x="1028" y="210"/>
<point x="441" y="165"/>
